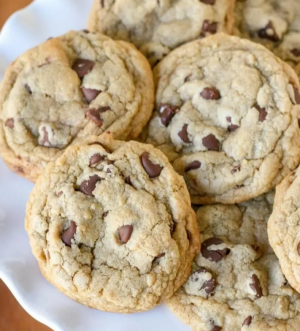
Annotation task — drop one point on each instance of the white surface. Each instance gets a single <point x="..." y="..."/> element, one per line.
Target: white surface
<point x="18" y="268"/>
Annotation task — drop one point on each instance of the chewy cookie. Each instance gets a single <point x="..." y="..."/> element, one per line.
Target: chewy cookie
<point x="283" y="227"/>
<point x="158" y="26"/>
<point x="236" y="281"/>
<point x="276" y="24"/>
<point x="111" y="225"/>
<point x="227" y="116"/>
<point x="67" y="89"/>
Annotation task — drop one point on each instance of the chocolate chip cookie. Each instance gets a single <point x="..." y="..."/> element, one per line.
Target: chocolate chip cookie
<point x="227" y="116"/>
<point x="283" y="227"/>
<point x="111" y="225"/>
<point x="236" y="281"/>
<point x="67" y="89"/>
<point x="158" y="26"/>
<point x="276" y="24"/>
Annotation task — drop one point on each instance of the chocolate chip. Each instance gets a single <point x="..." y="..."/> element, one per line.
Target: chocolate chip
<point x="192" y="166"/>
<point x="94" y="115"/>
<point x="183" y="134"/>
<point x="20" y="170"/>
<point x="268" y="32"/>
<point x="102" y="3"/>
<point x="208" y="2"/>
<point x="210" y="27"/>
<point x="10" y="123"/>
<point x="125" y="233"/>
<point x="88" y="186"/>
<point x="209" y="285"/>
<point x="27" y="88"/>
<point x="90" y="94"/>
<point x="83" y="67"/>
<point x="60" y="193"/>
<point x="262" y="113"/>
<point x="95" y="159"/>
<point x="45" y="139"/>
<point x="211" y="143"/>
<point x="158" y="257"/>
<point x="256" y="286"/>
<point x="128" y="180"/>
<point x="232" y="127"/>
<point x="236" y="169"/>
<point x="104" y="110"/>
<point x="85" y="31"/>
<point x="299" y="122"/>
<point x="255" y="247"/>
<point x="247" y="321"/>
<point x="108" y="171"/>
<point x="238" y="186"/>
<point x="296" y="52"/>
<point x="297" y="95"/>
<point x="153" y="170"/>
<point x="298" y="248"/>
<point x="166" y="112"/>
<point x="213" y="255"/>
<point x="69" y="234"/>
<point x="210" y="93"/>
<point x="216" y="328"/>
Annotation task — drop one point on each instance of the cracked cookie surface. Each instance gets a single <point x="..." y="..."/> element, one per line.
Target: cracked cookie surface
<point x="275" y="24"/>
<point x="236" y="281"/>
<point x="112" y="226"/>
<point x="227" y="115"/>
<point x="69" y="88"/>
<point x="283" y="227"/>
<point x="158" y="26"/>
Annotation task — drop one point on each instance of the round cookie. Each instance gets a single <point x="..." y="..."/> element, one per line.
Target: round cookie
<point x="227" y="115"/>
<point x="276" y="24"/>
<point x="158" y="26"/>
<point x="236" y="281"/>
<point x="111" y="225"/>
<point x="69" y="88"/>
<point x="283" y="227"/>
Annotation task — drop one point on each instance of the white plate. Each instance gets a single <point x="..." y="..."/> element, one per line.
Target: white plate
<point x="18" y="268"/>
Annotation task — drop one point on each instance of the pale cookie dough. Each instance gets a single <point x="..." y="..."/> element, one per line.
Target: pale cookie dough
<point x="227" y="115"/>
<point x="69" y="88"/>
<point x="236" y="282"/>
<point x="284" y="227"/>
<point x="276" y="24"/>
<point x="111" y="225"/>
<point x="158" y="26"/>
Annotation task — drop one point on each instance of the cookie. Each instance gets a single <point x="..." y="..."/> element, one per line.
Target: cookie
<point x="236" y="281"/>
<point x="67" y="89"/>
<point x="276" y="24"/>
<point x="283" y="227"/>
<point x="227" y="115"/>
<point x="111" y="225"/>
<point x="158" y="26"/>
